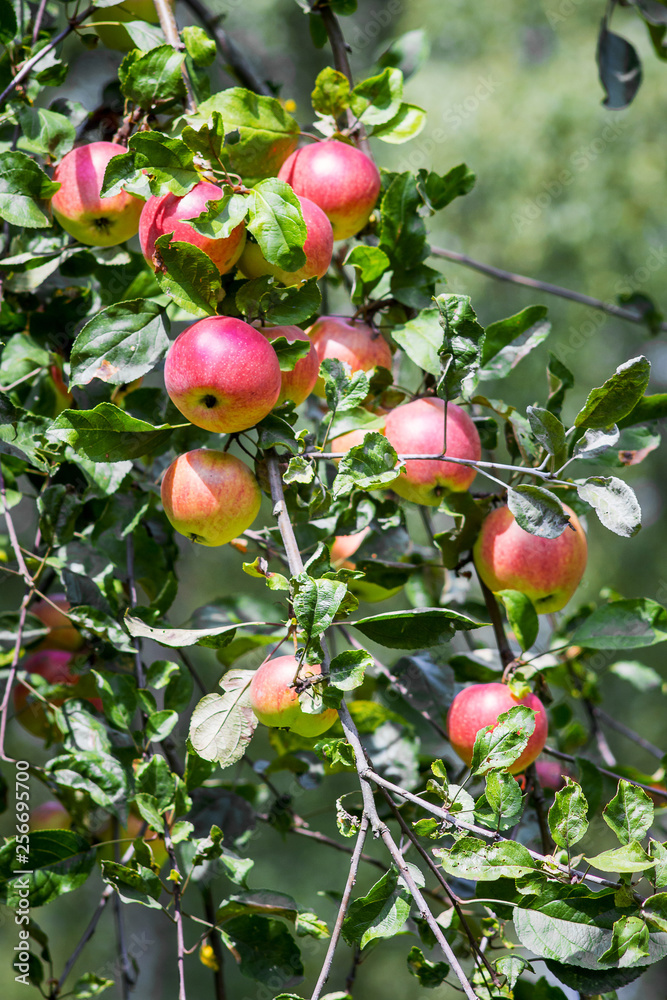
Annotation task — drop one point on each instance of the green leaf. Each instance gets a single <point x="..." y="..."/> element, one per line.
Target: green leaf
<point x="402" y="230"/>
<point x="90" y="985"/>
<point x="221" y="216"/>
<point x="214" y="638"/>
<point x="654" y="909"/>
<point x="463" y="339"/>
<point x="408" y="52"/>
<point x="152" y="78"/>
<point x="538" y="511"/>
<point x="416" y="629"/>
<point x="267" y="134"/>
<point x="24" y="188"/>
<point x="344" y="390"/>
<point x="548" y="430"/>
<point x="331" y="95"/>
<point x="630" y="938"/>
<point x="8" y="23"/>
<point x="407" y="123"/>
<point x="630" y="813"/>
<point x="624" y="624"/>
<point x="369" y="263"/>
<point x="471" y="858"/>
<point x="380" y="914"/>
<point x="264" y="948"/>
<point x="568" y="816"/>
<point x="429" y="974"/>
<point x="107" y="434"/>
<point x="276" y="221"/>
<point x="521" y="616"/>
<point x="421" y="339"/>
<point x="188" y="275"/>
<point x="155" y="779"/>
<point x="133" y="885"/>
<point x="94" y="773"/>
<point x="198" y="45"/>
<point x="366" y="466"/>
<point x="503" y="794"/>
<point x="378" y="99"/>
<point x="120" y="343"/>
<point x="658" y="852"/>
<point x="119" y="696"/>
<point x="59" y="861"/>
<point x="346" y="671"/>
<point x="615" y="504"/>
<point x="511" y="966"/>
<point x="159" y="725"/>
<point x="277" y="304"/>
<point x="316" y="603"/>
<point x="167" y="163"/>
<point x="630" y="858"/>
<point x="502" y="744"/>
<point x="641" y="677"/>
<point x="222" y="725"/>
<point x="47" y="132"/>
<point x="648" y="408"/>
<point x="501" y="334"/>
<point x="595" y="442"/>
<point x="438" y="191"/>
<point x="615" y="399"/>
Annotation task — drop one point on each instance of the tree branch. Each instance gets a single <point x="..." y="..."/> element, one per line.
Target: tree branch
<point x="339" y="50"/>
<point x="235" y="58"/>
<point x="504" y="648"/>
<point x="178" y="915"/>
<point x="631" y="315"/>
<point x="281" y="515"/>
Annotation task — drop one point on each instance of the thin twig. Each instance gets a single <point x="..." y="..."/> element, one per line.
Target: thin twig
<point x="281" y="515"/>
<point x="169" y="27"/>
<point x="504" y="648"/>
<point x="537" y="795"/>
<point x="178" y="915"/>
<point x="631" y="315"/>
<point x="56" y="40"/>
<point x="38" y="21"/>
<point x="126" y="971"/>
<point x="339" y="51"/>
<point x="216" y="944"/>
<point x="651" y="789"/>
<point x="236" y="60"/>
<point x="342" y="910"/>
<point x="620" y="727"/>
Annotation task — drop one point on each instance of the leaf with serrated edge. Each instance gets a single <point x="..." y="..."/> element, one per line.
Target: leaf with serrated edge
<point x="222" y="725"/>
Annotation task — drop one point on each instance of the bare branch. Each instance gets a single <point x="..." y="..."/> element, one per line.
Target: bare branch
<point x="236" y="60"/>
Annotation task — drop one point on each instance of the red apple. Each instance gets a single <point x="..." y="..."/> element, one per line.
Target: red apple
<point x="62" y="634"/>
<point x="418" y="428"/>
<point x="551" y="774"/>
<point x="348" y="340"/>
<point x="298" y="383"/>
<point x="222" y="374"/>
<point x="342" y="180"/>
<point x="547" y="570"/>
<point x="167" y="214"/>
<point x="210" y="496"/>
<point x="480" y="705"/>
<point x="50" y="816"/>
<point x="53" y="666"/>
<point x="78" y="207"/>
<point x="318" y="249"/>
<point x="275" y="702"/>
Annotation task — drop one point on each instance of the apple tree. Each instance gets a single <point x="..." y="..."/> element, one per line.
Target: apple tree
<point x="223" y="325"/>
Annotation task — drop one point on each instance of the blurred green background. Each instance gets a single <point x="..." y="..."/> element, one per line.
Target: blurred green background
<point x="567" y="192"/>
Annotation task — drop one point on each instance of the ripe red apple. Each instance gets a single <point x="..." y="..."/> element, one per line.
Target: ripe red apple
<point x="167" y="213"/>
<point x="62" y="634"/>
<point x="276" y="703"/>
<point x="480" y="705"/>
<point x="318" y="249"/>
<point x="50" y="816"/>
<point x="342" y="180"/>
<point x="210" y="496"/>
<point x="222" y="374"/>
<point x="298" y="383"/>
<point x="95" y="221"/>
<point x="53" y="666"/>
<point x="355" y="343"/>
<point x="115" y="36"/>
<point x="547" y="570"/>
<point x="417" y="428"/>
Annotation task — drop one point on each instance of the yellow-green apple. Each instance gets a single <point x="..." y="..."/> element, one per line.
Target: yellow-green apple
<point x="275" y="702"/>
<point x="348" y="340"/>
<point x="167" y="214"/>
<point x="50" y="815"/>
<point x="547" y="570"/>
<point x="342" y="180"/>
<point x="478" y="706"/>
<point x="62" y="634"/>
<point x="418" y="428"/>
<point x="318" y="249"/>
<point x="112" y="34"/>
<point x="210" y="496"/>
<point x="222" y="374"/>
<point x="345" y="546"/>
<point x="54" y="666"/>
<point x="298" y="383"/>
<point x="77" y="205"/>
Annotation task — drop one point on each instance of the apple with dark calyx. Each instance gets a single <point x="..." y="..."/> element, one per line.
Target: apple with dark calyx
<point x="547" y="570"/>
<point x="345" y="546"/>
<point x="50" y="815"/>
<point x="342" y="180"/>
<point x="167" y="214"/>
<point x="318" y="249"/>
<point x="115" y="36"/>
<point x="62" y="634"/>
<point x="478" y="706"/>
<point x="275" y="701"/>
<point x="78" y="207"/>
<point x="54" y="666"/>
<point x="350" y="341"/>
<point x="418" y="428"/>
<point x="298" y="383"/>
<point x="210" y="496"/>
<point x="222" y="374"/>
